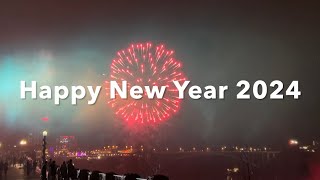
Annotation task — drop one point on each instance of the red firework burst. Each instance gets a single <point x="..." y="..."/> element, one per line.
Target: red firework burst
<point x="146" y="65"/>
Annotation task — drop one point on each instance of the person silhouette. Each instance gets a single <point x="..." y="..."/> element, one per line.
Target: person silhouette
<point x="71" y="169"/>
<point x="53" y="168"/>
<point x="5" y="168"/>
<point x="44" y="171"/>
<point x="34" y="166"/>
<point x="64" y="171"/>
<point x="1" y="168"/>
<point x="49" y="168"/>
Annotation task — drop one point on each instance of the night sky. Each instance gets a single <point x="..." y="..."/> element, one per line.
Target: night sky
<point x="219" y="43"/>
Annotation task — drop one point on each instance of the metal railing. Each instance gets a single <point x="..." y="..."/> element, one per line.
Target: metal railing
<point x="117" y="177"/>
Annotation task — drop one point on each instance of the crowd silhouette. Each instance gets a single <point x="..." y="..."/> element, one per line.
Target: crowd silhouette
<point x="12" y="160"/>
<point x="4" y="166"/>
<point x="67" y="171"/>
<point x="51" y="171"/>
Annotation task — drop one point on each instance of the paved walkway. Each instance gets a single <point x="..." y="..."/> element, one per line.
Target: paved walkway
<point x="18" y="174"/>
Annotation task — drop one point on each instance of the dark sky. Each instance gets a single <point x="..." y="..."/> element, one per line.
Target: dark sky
<point x="219" y="43"/>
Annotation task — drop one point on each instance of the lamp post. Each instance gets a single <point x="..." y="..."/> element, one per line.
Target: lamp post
<point x="44" y="146"/>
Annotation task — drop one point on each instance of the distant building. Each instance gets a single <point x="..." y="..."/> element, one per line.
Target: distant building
<point x="67" y="143"/>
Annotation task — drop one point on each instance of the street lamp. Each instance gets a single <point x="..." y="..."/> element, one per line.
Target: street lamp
<point x="44" y="146"/>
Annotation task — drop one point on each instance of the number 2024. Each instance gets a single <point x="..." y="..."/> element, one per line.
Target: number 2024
<point x="292" y="90"/>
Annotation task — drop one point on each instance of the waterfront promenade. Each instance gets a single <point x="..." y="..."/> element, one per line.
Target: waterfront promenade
<point x="15" y="173"/>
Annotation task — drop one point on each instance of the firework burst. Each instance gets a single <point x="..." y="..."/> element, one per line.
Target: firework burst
<point x="146" y="65"/>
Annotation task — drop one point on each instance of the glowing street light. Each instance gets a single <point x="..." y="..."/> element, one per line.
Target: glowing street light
<point x="23" y="142"/>
<point x="45" y="133"/>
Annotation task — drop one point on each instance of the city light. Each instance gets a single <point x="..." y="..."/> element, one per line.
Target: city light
<point x="234" y="170"/>
<point x="45" y="133"/>
<point x="23" y="142"/>
<point x="293" y="142"/>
